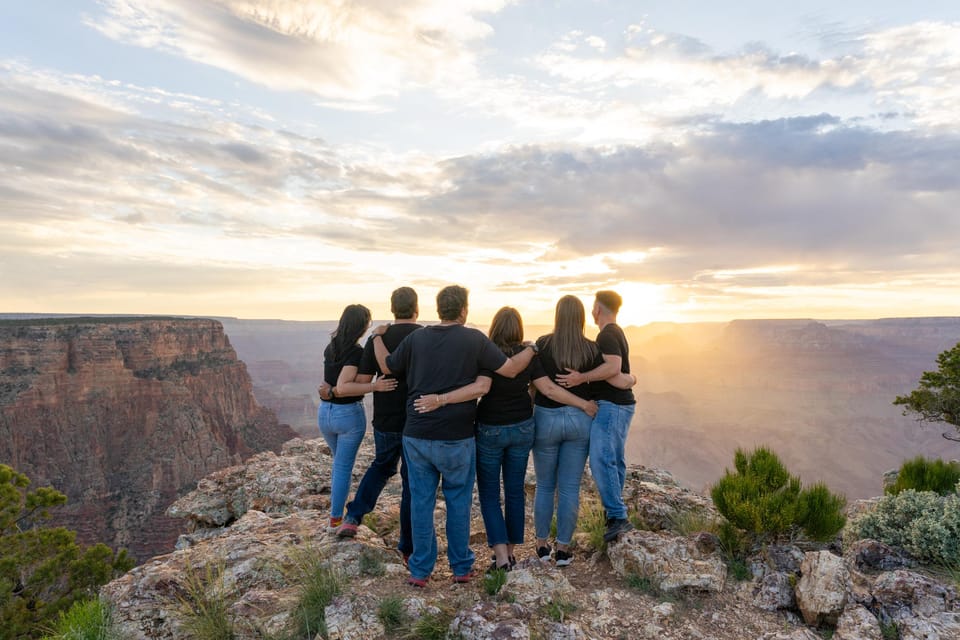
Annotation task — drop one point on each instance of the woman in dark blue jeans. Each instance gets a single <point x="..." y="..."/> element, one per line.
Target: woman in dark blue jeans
<point x="505" y="435"/>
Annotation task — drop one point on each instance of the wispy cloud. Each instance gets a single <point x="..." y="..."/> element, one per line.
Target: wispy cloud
<point x="341" y="50"/>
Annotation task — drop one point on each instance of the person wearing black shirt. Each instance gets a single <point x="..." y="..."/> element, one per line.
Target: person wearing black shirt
<point x="389" y="416"/>
<point x="608" y="433"/>
<point x="341" y="418"/>
<point x="442" y="362"/>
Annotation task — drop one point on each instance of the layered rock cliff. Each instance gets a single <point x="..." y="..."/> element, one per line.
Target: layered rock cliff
<point x="124" y="416"/>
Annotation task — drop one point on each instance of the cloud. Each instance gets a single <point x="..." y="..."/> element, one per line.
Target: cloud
<point x="340" y="50"/>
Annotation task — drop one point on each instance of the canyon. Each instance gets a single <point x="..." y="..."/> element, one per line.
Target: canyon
<point x="124" y="415"/>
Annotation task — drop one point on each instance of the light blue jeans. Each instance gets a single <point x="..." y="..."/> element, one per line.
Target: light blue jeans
<point x="452" y="465"/>
<point x="343" y="427"/>
<point x="560" y="450"/>
<point x="608" y="464"/>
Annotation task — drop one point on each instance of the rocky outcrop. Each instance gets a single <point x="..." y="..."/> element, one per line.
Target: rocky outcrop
<point x="253" y="523"/>
<point x="124" y="415"/>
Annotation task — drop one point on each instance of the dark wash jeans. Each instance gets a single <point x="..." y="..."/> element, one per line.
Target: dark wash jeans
<point x="503" y="449"/>
<point x="389" y="448"/>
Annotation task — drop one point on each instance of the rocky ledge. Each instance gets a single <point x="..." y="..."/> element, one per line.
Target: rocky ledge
<point x="251" y="522"/>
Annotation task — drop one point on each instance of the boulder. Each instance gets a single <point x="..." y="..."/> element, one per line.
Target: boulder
<point x="823" y="588"/>
<point x="878" y="556"/>
<point x="775" y="591"/>
<point x="672" y="562"/>
<point x="905" y="594"/>
<point x="487" y="620"/>
<point x="857" y="623"/>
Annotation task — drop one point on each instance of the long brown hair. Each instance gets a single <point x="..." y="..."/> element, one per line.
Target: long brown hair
<point x="569" y="346"/>
<point x="506" y="330"/>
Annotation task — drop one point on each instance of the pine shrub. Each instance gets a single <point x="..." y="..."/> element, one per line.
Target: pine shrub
<point x="922" y="474"/>
<point x="762" y="498"/>
<point x="924" y="523"/>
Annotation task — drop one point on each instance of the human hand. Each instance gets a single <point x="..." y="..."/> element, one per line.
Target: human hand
<point x="385" y="384"/>
<point x="429" y="402"/>
<point x="590" y="408"/>
<point x="570" y="379"/>
<point x="324" y="391"/>
<point x="381" y="329"/>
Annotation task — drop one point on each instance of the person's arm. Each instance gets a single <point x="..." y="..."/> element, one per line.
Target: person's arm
<point x="546" y="386"/>
<point x="362" y="384"/>
<point x="609" y="369"/>
<point x="623" y="380"/>
<point x="515" y="365"/>
<point x="380" y="349"/>
<point x="433" y="401"/>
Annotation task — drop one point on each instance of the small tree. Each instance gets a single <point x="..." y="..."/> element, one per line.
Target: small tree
<point x="762" y="498"/>
<point x="937" y="399"/>
<point x="42" y="569"/>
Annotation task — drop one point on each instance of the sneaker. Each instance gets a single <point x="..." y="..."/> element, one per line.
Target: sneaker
<point x="335" y="524"/>
<point x="465" y="578"/>
<point x="543" y="553"/>
<point x="347" y="530"/>
<point x="615" y="528"/>
<point x="420" y="583"/>
<point x="563" y="558"/>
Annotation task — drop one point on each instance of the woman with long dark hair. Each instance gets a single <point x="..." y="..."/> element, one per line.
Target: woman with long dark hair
<point x="342" y="419"/>
<point x="562" y="439"/>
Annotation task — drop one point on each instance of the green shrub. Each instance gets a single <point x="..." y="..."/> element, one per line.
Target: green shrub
<point x="85" y="620"/>
<point x="494" y="580"/>
<point x="392" y="615"/>
<point x="203" y="610"/>
<point x="762" y="498"/>
<point x="593" y="522"/>
<point x="319" y="585"/>
<point x="923" y="523"/>
<point x="431" y="626"/>
<point x="371" y="562"/>
<point x="922" y="474"/>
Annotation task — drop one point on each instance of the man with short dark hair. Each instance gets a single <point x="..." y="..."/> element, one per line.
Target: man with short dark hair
<point x="608" y="432"/>
<point x="441" y="364"/>
<point x="389" y="417"/>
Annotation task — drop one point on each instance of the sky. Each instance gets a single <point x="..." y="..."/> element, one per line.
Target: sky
<point x="282" y="158"/>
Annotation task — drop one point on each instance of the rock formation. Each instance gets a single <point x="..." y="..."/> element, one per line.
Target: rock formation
<point x="124" y="415"/>
<point x="252" y="522"/>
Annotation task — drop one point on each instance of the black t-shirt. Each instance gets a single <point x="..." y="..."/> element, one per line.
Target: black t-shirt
<point x="508" y="401"/>
<point x="438" y="359"/>
<point x="389" y="407"/>
<point x="544" y="365"/>
<point x="332" y="367"/>
<point x="613" y="342"/>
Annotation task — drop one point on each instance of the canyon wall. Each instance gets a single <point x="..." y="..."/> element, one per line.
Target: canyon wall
<point x="124" y="415"/>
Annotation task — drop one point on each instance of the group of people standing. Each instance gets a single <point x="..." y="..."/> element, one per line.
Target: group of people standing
<point x="427" y="420"/>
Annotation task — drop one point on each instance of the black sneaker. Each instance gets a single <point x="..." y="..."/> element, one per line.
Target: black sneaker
<point x="543" y="553"/>
<point x="563" y="558"/>
<point x="615" y="528"/>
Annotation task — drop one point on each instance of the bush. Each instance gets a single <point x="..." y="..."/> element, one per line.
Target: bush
<point x="43" y="570"/>
<point x="319" y="585"/>
<point x="762" y="498"/>
<point x="86" y="620"/>
<point x="921" y="474"/>
<point x="203" y="609"/>
<point x="925" y="524"/>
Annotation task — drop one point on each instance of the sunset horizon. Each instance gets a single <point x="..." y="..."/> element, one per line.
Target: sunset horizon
<point x="283" y="160"/>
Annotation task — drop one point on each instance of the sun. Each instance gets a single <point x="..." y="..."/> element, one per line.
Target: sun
<point x="643" y="303"/>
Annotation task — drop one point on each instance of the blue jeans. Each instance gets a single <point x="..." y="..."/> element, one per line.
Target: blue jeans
<point x="559" y="454"/>
<point x="389" y="447"/>
<point x="506" y="449"/>
<point x="608" y="463"/>
<point x="454" y="462"/>
<point x="342" y="426"/>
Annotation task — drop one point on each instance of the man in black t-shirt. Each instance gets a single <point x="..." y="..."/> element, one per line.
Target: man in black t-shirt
<point x="441" y="362"/>
<point x="608" y="432"/>
<point x="389" y="417"/>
